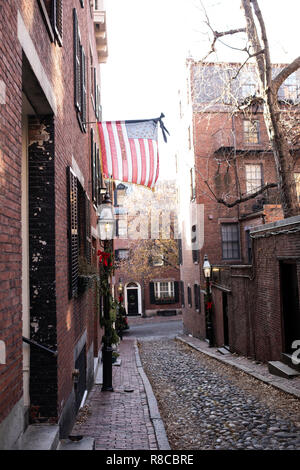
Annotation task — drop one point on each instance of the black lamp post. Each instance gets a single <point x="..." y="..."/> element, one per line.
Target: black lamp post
<point x="209" y="326"/>
<point x="106" y="224"/>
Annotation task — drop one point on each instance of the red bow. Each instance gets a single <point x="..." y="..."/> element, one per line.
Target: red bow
<point x="209" y="305"/>
<point x="103" y="257"/>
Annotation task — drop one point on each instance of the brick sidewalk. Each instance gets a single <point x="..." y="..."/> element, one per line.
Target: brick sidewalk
<point x="119" y="420"/>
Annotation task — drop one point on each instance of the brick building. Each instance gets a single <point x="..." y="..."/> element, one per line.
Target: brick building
<point x="146" y="249"/>
<point x="232" y="159"/>
<point x="50" y="178"/>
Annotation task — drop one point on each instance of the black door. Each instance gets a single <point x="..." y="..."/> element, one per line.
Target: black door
<point x="132" y="297"/>
<point x="289" y="304"/>
<point x="225" y="318"/>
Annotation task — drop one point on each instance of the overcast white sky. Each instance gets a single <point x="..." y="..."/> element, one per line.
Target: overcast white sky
<point x="149" y="39"/>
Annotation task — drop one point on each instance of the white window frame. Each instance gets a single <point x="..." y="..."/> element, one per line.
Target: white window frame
<point x="254" y="178"/>
<point x="164" y="289"/>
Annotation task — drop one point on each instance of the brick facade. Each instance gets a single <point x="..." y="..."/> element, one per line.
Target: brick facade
<point x="226" y="156"/>
<point x="33" y="60"/>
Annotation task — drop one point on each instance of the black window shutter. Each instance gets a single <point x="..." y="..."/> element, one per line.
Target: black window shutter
<point x="151" y="289"/>
<point x="196" y="296"/>
<point x="95" y="92"/>
<point x="77" y="61"/>
<point x="199" y="297"/>
<point x="93" y="166"/>
<point x="57" y="19"/>
<point x="88" y="239"/>
<point x="189" y="291"/>
<point x="179" y="251"/>
<point x="82" y="3"/>
<point x="182" y="293"/>
<point x="73" y="240"/>
<point x="176" y="291"/>
<point x="83" y="88"/>
<point x="98" y="182"/>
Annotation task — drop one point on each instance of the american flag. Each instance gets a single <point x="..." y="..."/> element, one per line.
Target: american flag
<point x="129" y="151"/>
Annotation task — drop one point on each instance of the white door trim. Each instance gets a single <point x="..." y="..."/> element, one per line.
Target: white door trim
<point x="138" y="287"/>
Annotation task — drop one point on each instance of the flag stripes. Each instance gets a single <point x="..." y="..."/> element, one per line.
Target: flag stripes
<point x="129" y="153"/>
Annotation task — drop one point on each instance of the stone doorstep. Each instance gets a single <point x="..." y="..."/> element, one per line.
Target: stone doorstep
<point x="41" y="437"/>
<point x="282" y="370"/>
<point x="77" y="443"/>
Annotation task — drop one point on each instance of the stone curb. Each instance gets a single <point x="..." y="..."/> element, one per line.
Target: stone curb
<point x="159" y="428"/>
<point x="275" y="382"/>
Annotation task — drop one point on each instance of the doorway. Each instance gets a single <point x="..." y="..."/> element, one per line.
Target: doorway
<point x="133" y="298"/>
<point x="225" y="319"/>
<point x="289" y="304"/>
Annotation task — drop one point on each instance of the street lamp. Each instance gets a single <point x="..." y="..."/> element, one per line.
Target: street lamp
<point x="209" y="327"/>
<point x="106" y="224"/>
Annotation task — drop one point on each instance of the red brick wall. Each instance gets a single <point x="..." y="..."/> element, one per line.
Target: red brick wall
<point x="76" y="315"/>
<point x="10" y="210"/>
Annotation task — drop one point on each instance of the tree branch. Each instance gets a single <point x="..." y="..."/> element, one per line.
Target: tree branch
<point x="242" y="199"/>
<point x="285" y="73"/>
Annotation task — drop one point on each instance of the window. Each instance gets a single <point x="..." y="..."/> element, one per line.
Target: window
<point x="157" y="260"/>
<point x="121" y="228"/>
<point x="84" y="223"/>
<point x="248" y="89"/>
<point x="193" y="184"/>
<point x="122" y="254"/>
<point x="79" y="74"/>
<point x="291" y="88"/>
<point x="297" y="179"/>
<point x="52" y="12"/>
<point x="230" y="241"/>
<point x="254" y="180"/>
<point x="251" y="132"/>
<point x="164" y="290"/>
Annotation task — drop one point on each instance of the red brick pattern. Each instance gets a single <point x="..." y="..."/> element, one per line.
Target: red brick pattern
<point x="120" y="420"/>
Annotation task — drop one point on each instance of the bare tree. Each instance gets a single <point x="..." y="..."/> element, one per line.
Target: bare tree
<point x="268" y="87"/>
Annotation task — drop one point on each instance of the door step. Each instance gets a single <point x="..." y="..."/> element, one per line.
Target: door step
<point x="282" y="370"/>
<point x="288" y="360"/>
<point x="77" y="443"/>
<point x="224" y="351"/>
<point x="41" y="437"/>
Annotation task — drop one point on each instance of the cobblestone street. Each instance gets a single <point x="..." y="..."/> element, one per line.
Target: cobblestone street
<point x="209" y="405"/>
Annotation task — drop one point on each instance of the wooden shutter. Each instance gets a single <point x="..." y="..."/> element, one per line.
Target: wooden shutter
<point x="95" y="91"/>
<point x="176" y="291"/>
<point x="196" y="298"/>
<point x="151" y="290"/>
<point x="93" y="166"/>
<point x="57" y="19"/>
<point x="98" y="177"/>
<point x="77" y="62"/>
<point x="189" y="291"/>
<point x="88" y="239"/>
<point x="73" y="239"/>
<point x="83" y="87"/>
<point x="179" y="250"/>
<point x="182" y="293"/>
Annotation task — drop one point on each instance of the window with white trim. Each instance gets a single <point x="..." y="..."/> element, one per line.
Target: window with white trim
<point x="164" y="289"/>
<point x="251" y="132"/>
<point x="254" y="180"/>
